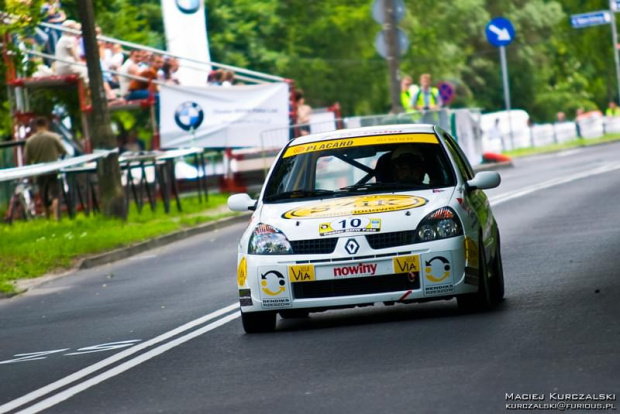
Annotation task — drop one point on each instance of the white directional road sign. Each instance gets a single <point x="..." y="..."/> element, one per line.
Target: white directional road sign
<point x="402" y="43"/>
<point x="378" y="10"/>
<point x="500" y="32"/>
<point x="590" y="19"/>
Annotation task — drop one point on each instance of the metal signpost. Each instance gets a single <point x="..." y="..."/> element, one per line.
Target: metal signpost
<point x="597" y="18"/>
<point x="500" y="32"/>
<point x="391" y="42"/>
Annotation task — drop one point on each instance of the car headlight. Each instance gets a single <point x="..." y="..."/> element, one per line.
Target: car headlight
<point x="267" y="239"/>
<point x="440" y="224"/>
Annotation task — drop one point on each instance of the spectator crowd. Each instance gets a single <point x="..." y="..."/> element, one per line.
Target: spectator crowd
<point x="127" y="76"/>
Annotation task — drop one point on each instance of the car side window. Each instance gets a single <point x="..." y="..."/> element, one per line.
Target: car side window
<point x="461" y="160"/>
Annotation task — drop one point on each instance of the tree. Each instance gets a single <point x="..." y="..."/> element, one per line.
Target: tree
<point x="109" y="174"/>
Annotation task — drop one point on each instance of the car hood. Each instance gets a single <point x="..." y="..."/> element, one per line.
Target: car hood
<point x="396" y="211"/>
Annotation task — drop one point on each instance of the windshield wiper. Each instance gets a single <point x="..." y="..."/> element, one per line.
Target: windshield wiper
<point x="298" y="194"/>
<point x="383" y="186"/>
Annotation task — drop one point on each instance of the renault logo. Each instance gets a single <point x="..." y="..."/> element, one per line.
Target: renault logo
<point x="351" y="246"/>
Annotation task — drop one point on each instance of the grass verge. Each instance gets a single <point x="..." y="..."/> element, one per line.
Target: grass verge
<point x="34" y="248"/>
<point x="522" y="152"/>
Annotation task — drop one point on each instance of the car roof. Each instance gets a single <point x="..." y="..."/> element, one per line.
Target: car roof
<point x="365" y="131"/>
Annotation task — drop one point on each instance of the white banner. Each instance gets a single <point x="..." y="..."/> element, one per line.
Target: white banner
<point x="221" y="117"/>
<point x="186" y="36"/>
<point x="591" y="125"/>
<point x="469" y="135"/>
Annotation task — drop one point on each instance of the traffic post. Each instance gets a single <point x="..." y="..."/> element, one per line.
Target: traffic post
<point x="500" y="32"/>
<point x="391" y="42"/>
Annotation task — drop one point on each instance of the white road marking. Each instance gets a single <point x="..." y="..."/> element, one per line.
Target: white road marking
<point x="104" y="347"/>
<point x="565" y="153"/>
<point x="499" y="199"/>
<point x="11" y="405"/>
<point x="68" y="393"/>
<point x="569" y="152"/>
<point x="33" y="356"/>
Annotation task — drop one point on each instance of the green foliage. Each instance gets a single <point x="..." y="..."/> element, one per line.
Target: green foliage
<point x="31" y="249"/>
<point x="24" y="17"/>
<point x="327" y="48"/>
<point x="137" y="21"/>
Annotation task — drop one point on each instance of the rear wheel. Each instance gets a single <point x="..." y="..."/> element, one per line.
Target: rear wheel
<point x="480" y="301"/>
<point x="257" y="322"/>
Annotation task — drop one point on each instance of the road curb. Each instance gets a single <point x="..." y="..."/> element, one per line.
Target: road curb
<point x="494" y="166"/>
<point x="125" y="252"/>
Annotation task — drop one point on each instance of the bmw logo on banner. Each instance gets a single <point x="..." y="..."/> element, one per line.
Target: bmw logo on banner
<point x="189" y="116"/>
<point x="188" y="6"/>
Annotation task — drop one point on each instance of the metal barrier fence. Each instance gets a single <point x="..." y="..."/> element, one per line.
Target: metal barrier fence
<point x="143" y="176"/>
<point x="540" y="135"/>
<point x="439" y="117"/>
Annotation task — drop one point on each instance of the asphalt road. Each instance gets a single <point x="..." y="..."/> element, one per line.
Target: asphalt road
<point x="160" y="332"/>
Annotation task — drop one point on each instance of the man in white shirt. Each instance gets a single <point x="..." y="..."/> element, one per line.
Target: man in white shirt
<point x="129" y="67"/>
<point x="67" y="54"/>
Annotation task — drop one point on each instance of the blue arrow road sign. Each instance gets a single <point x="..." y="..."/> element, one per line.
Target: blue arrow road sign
<point x="590" y="19"/>
<point x="500" y="32"/>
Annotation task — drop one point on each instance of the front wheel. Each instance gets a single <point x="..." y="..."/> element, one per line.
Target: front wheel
<point x="497" y="281"/>
<point x="257" y="322"/>
<point x="482" y="300"/>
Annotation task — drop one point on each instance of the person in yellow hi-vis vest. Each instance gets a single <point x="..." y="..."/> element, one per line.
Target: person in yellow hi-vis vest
<point x="612" y="110"/>
<point x="427" y="98"/>
<point x="407" y="92"/>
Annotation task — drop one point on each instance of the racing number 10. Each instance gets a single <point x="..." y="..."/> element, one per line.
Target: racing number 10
<point x="352" y="223"/>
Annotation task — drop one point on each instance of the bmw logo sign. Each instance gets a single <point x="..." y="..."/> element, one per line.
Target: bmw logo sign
<point x="189" y="115"/>
<point x="188" y="6"/>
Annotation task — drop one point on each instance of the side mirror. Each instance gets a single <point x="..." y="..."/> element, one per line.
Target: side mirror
<point x="241" y="202"/>
<point x="484" y="180"/>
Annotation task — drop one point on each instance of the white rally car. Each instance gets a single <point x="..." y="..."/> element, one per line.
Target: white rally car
<point x="360" y="216"/>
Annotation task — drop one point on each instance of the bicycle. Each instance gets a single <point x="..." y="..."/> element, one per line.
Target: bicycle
<point x="21" y="205"/>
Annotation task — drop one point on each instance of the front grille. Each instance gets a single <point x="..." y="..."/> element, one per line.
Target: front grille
<point x="356" y="286"/>
<point x="385" y="240"/>
<point x="314" y="246"/>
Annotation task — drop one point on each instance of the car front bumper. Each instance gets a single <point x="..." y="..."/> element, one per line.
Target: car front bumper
<point x="418" y="272"/>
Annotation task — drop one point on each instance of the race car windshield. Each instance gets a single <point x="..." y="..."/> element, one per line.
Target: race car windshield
<point x="307" y="173"/>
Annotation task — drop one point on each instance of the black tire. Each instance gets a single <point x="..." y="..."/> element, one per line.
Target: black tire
<point x="480" y="301"/>
<point x="23" y="208"/>
<point x="257" y="322"/>
<point x="497" y="278"/>
<point x="294" y="314"/>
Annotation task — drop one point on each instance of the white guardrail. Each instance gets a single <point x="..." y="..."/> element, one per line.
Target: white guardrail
<point x="34" y="170"/>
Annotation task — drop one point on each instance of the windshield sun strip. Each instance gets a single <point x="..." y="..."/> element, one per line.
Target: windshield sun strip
<point x="424" y="138"/>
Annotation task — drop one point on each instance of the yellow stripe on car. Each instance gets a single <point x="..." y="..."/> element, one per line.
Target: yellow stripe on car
<point x="294" y="150"/>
